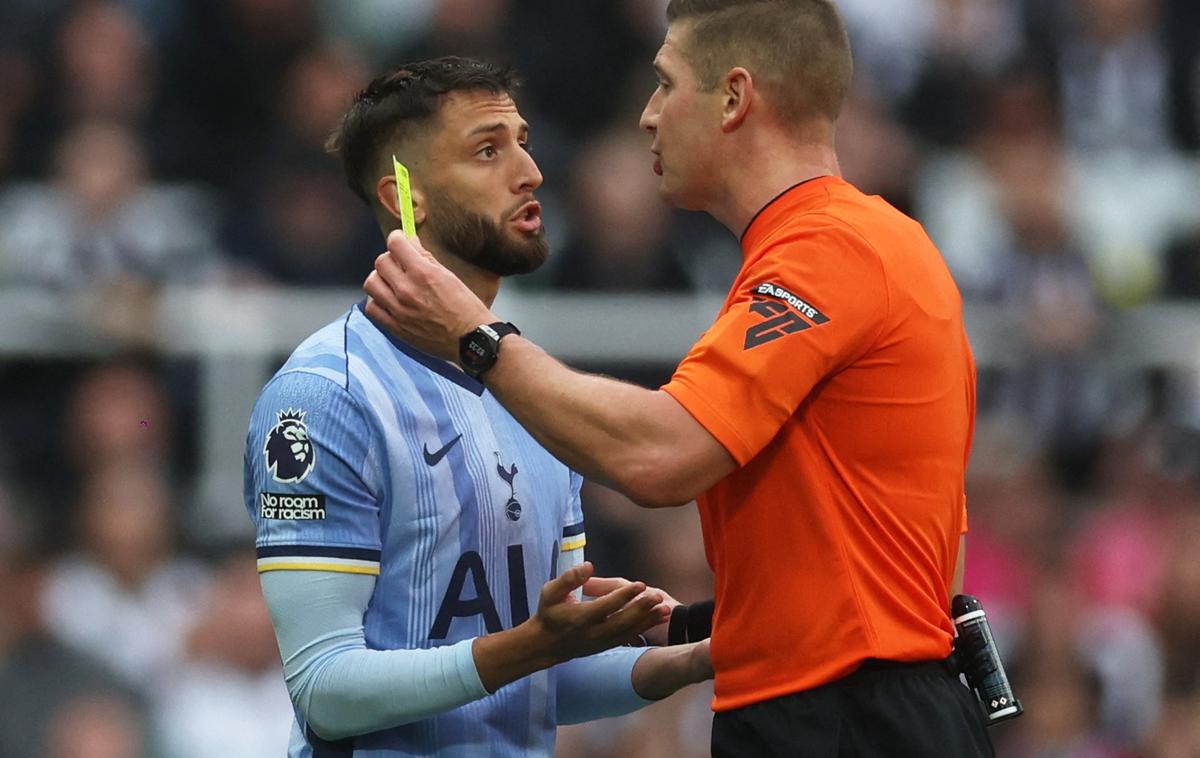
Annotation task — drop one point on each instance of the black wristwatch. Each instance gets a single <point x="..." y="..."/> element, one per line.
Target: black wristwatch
<point x="478" y="349"/>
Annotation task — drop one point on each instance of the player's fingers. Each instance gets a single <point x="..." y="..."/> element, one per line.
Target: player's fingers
<point x="602" y="585"/>
<point x="557" y="589"/>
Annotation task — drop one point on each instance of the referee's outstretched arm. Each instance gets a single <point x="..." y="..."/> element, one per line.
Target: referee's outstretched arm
<point x="640" y="442"/>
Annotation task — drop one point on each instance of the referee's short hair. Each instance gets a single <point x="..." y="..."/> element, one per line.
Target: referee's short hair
<point x="796" y="50"/>
<point x="401" y="105"/>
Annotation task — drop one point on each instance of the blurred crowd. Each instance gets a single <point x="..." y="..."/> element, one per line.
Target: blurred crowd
<point x="1050" y="147"/>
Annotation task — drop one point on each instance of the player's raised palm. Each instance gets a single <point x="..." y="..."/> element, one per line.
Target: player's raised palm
<point x="577" y="628"/>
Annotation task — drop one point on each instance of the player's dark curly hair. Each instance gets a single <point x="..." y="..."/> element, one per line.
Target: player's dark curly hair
<point x="394" y="106"/>
<point x="797" y="49"/>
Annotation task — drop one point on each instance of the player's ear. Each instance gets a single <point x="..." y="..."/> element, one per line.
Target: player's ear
<point x="737" y="90"/>
<point x="385" y="193"/>
<point x="420" y="209"/>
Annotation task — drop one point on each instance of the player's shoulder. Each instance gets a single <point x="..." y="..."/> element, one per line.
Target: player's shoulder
<point x="323" y="353"/>
<point x="315" y="375"/>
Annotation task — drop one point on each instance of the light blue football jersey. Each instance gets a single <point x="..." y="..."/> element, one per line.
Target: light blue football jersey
<point x="365" y="455"/>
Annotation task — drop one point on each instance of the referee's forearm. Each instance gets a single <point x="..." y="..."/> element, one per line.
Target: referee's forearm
<point x="662" y="671"/>
<point x="601" y="427"/>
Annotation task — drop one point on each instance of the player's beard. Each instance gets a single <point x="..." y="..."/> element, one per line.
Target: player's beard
<point x="481" y="241"/>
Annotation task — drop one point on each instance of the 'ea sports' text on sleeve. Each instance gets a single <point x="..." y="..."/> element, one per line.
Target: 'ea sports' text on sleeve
<point x="804" y="308"/>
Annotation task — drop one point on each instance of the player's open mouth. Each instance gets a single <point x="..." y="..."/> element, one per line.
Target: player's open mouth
<point x="658" y="169"/>
<point x="529" y="218"/>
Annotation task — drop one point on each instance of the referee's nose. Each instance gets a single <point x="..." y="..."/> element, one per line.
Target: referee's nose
<point x="649" y="119"/>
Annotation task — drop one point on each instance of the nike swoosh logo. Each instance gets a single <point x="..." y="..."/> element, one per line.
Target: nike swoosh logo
<point x="433" y="458"/>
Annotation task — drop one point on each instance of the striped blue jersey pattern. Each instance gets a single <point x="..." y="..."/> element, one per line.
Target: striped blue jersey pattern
<point x="365" y="455"/>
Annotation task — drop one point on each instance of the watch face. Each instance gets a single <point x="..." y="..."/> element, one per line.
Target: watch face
<point x="477" y="351"/>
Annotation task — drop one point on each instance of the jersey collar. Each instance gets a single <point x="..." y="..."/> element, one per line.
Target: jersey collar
<point x="798" y="197"/>
<point x="433" y="363"/>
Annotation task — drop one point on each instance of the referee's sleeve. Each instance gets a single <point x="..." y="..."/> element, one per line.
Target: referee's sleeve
<point x="808" y="307"/>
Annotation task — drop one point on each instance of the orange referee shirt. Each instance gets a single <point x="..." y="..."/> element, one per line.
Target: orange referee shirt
<point x="839" y="376"/>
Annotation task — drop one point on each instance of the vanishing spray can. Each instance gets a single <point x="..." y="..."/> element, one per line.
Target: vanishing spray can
<point x="979" y="659"/>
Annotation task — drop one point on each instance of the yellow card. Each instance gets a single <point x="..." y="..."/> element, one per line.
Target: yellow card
<point x="404" y="198"/>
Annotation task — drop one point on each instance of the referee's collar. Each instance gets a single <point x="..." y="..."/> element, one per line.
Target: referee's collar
<point x="791" y="199"/>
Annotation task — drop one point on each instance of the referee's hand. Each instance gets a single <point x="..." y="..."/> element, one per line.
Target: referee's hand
<point x="619" y="612"/>
<point x="420" y="301"/>
<point x="599" y="586"/>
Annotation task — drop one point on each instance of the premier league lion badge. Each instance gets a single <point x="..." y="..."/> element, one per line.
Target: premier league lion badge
<point x="289" y="453"/>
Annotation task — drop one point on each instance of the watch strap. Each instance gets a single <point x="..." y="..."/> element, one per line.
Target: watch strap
<point x="503" y="328"/>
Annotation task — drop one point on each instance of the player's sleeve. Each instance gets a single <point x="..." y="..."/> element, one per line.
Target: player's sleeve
<point x="574" y="538"/>
<point x="809" y="306"/>
<point x="598" y="686"/>
<point x="340" y="687"/>
<point x="313" y="478"/>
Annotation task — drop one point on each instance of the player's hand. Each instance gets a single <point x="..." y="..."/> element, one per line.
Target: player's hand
<point x="574" y="629"/>
<point x="420" y="301"/>
<point x="601" y="585"/>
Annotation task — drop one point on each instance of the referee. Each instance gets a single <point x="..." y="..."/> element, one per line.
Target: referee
<point x="822" y="424"/>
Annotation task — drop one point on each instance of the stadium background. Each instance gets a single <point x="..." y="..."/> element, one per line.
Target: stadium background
<point x="170" y="228"/>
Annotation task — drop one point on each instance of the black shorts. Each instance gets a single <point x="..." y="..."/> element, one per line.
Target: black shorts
<point x="883" y="710"/>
